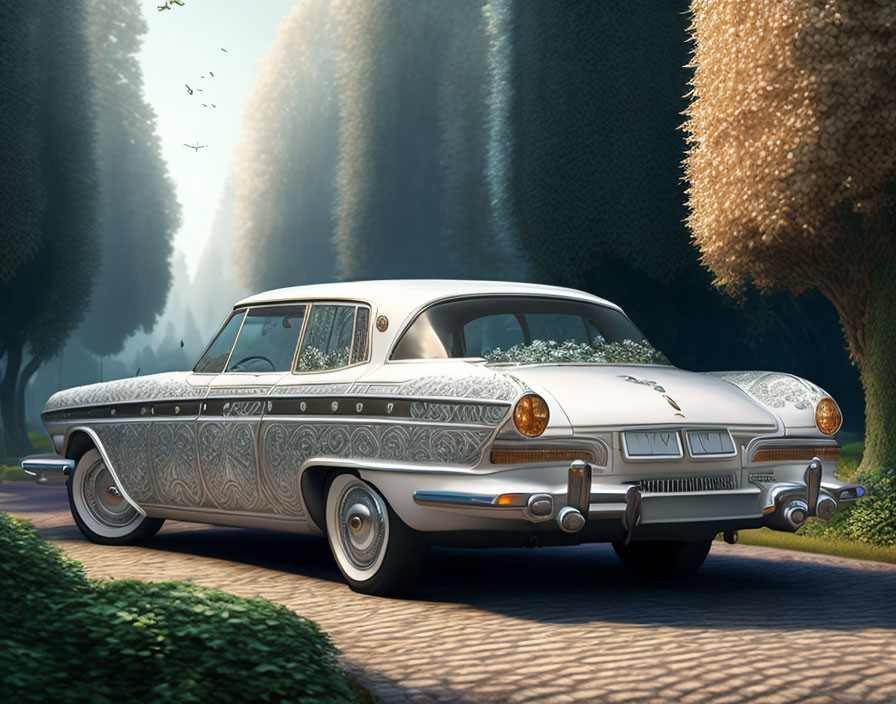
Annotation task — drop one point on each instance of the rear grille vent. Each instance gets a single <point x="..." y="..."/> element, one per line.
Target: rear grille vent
<point x="682" y="484"/>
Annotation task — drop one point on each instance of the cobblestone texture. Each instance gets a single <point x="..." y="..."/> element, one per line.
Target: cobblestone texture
<point x="549" y="625"/>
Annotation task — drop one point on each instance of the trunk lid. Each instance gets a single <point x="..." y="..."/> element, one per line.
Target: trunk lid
<point x="630" y="395"/>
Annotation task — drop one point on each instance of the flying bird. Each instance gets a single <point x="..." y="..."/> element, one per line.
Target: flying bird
<point x="166" y="6"/>
<point x="189" y="90"/>
<point x="195" y="147"/>
<point x="211" y="74"/>
<point x="178" y="2"/>
<point x="223" y="49"/>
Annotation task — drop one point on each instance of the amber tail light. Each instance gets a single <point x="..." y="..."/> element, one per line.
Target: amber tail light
<point x="827" y="416"/>
<point x="805" y="454"/>
<point x="539" y="455"/>
<point x="530" y="415"/>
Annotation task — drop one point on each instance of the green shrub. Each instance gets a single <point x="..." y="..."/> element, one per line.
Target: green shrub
<point x="67" y="638"/>
<point x="30" y="566"/>
<point x="873" y="519"/>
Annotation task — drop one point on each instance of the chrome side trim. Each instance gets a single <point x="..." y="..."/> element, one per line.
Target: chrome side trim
<point x="448" y="498"/>
<point x="231" y="518"/>
<point x="97" y="443"/>
<point x="771" y="442"/>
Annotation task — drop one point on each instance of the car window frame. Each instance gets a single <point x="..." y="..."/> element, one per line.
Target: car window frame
<point x="412" y="318"/>
<point x="337" y="302"/>
<point x="309" y="303"/>
<point x="257" y="306"/>
<point x="226" y="322"/>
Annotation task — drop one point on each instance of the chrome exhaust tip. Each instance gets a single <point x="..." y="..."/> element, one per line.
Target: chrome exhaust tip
<point x="825" y="508"/>
<point x="796" y="513"/>
<point x="570" y="519"/>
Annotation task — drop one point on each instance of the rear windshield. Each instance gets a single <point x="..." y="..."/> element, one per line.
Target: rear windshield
<point x="526" y="330"/>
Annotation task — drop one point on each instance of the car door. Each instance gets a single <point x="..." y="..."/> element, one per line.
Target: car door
<point x="228" y="424"/>
<point x="309" y="411"/>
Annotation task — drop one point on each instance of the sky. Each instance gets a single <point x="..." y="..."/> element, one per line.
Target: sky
<point x="183" y="44"/>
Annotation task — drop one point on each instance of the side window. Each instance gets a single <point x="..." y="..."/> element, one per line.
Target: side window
<point x="267" y="341"/>
<point x="215" y="357"/>
<point x="335" y="336"/>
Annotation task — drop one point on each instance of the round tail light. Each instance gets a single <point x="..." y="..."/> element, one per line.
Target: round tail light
<point x="827" y="416"/>
<point x="530" y="415"/>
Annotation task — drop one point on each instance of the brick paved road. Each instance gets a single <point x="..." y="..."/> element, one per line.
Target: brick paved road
<point x="557" y="625"/>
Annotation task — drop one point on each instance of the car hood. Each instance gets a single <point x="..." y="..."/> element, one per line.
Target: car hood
<point x="626" y="395"/>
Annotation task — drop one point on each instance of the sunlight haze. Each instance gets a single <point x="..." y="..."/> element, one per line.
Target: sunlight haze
<point x="181" y="45"/>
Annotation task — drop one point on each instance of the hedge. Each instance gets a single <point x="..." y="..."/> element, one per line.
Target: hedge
<point x="67" y="638"/>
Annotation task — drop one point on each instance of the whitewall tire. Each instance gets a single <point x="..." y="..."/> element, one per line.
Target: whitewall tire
<point x="374" y="549"/>
<point x="102" y="514"/>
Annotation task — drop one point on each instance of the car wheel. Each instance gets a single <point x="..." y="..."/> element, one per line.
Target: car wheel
<point x="375" y="550"/>
<point x="663" y="558"/>
<point x="100" y="511"/>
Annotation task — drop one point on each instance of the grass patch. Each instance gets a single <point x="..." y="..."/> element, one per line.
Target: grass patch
<point x="11" y="467"/>
<point x="14" y="474"/>
<point x="825" y="546"/>
<point x="39" y="441"/>
<point x="849" y="461"/>
<point x="77" y="639"/>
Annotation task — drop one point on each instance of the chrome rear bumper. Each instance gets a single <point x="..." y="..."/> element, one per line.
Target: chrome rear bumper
<point x="47" y="469"/>
<point x="779" y="505"/>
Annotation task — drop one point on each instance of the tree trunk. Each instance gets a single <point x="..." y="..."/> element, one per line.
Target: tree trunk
<point x="13" y="445"/>
<point x="878" y="373"/>
<point x="20" y="419"/>
<point x="873" y="519"/>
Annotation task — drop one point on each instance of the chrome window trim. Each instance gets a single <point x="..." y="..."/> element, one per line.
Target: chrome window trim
<point x="343" y="302"/>
<point x="215" y="337"/>
<point x="710" y="456"/>
<point x="240" y="331"/>
<point x="412" y="318"/>
<point x="651" y="458"/>
<point x="309" y="304"/>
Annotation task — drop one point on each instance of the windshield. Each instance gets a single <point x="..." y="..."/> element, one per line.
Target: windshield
<point x="526" y="330"/>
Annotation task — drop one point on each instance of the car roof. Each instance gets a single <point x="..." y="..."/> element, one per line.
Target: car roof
<point x="402" y="297"/>
<point x="399" y="300"/>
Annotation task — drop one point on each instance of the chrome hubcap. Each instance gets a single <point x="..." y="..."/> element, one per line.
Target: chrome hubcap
<point x="362" y="525"/>
<point x="104" y="500"/>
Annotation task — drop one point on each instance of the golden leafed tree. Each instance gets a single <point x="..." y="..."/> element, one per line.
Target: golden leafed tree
<point x="283" y="189"/>
<point x="792" y="168"/>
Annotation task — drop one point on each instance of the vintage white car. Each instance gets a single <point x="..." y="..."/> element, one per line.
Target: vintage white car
<point x="394" y="415"/>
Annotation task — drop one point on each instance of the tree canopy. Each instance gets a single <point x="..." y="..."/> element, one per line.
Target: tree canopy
<point x="47" y="294"/>
<point x="284" y="171"/>
<point x="23" y="198"/>
<point x="139" y="211"/>
<point x="792" y="172"/>
<point x="792" y="166"/>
